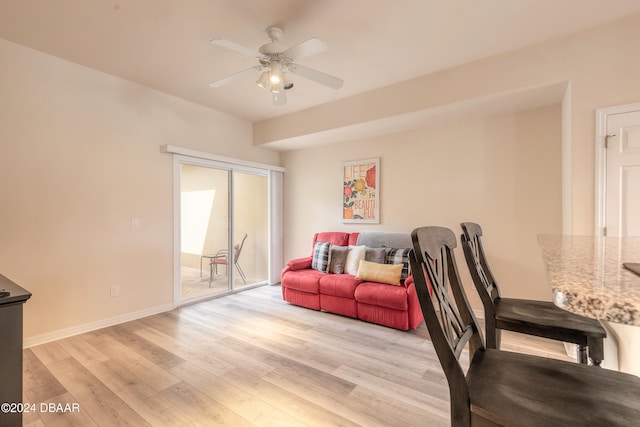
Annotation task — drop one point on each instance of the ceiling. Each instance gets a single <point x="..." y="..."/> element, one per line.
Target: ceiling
<point x="165" y="44"/>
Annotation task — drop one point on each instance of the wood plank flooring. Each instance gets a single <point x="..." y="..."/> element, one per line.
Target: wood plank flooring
<point x="248" y="359"/>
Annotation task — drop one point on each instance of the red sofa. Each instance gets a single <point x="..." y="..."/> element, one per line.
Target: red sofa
<point x="395" y="306"/>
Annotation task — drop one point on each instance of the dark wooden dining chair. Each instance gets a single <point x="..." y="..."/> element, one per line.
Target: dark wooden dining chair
<point x="500" y="387"/>
<point x="539" y="318"/>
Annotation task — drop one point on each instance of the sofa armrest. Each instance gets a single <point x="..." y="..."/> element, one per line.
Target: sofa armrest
<point x="408" y="281"/>
<point x="299" y="263"/>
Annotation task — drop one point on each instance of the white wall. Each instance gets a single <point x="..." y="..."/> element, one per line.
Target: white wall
<point x="503" y="172"/>
<point x="80" y="155"/>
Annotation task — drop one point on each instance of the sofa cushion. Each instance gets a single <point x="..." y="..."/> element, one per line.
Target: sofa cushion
<point x="382" y="295"/>
<point x="340" y="285"/>
<point x="337" y="238"/>
<point x="337" y="259"/>
<point x="353" y="238"/>
<point x="399" y="256"/>
<point x="355" y="255"/>
<point x="383" y="273"/>
<point x="320" y="258"/>
<point x="379" y="239"/>
<point x="302" y="280"/>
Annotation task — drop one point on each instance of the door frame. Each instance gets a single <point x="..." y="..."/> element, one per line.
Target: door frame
<point x="602" y="115"/>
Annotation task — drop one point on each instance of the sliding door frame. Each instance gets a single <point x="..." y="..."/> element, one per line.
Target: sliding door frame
<point x="274" y="236"/>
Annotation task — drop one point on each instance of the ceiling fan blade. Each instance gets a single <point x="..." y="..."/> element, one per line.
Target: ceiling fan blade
<point x="236" y="47"/>
<point x="235" y="76"/>
<point x="306" y="48"/>
<point x="316" y="76"/>
<point x="279" y="98"/>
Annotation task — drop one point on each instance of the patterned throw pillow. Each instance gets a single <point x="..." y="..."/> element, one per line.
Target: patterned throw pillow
<point x="337" y="259"/>
<point x="320" y="260"/>
<point x="399" y="256"/>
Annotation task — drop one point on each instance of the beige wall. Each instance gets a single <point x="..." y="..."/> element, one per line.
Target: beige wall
<point x="503" y="172"/>
<point x="80" y="155"/>
<point x="601" y="66"/>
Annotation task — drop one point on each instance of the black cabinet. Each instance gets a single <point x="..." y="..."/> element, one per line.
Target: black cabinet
<point x="11" y="349"/>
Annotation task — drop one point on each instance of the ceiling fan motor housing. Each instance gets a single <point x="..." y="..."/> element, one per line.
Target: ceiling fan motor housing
<point x="275" y="33"/>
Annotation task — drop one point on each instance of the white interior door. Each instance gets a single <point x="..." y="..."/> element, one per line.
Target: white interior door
<point x="622" y="215"/>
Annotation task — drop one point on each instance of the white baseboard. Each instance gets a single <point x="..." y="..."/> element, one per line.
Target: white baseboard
<point x="92" y="326"/>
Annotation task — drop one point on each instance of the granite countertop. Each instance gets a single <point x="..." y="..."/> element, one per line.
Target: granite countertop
<point x="587" y="276"/>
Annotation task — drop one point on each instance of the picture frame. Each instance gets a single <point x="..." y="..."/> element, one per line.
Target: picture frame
<point x="361" y="191"/>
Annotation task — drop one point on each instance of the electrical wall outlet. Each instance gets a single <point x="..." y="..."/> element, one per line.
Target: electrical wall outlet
<point x="114" y="291"/>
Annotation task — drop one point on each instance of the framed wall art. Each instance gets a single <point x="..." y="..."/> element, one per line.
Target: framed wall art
<point x="361" y="191"/>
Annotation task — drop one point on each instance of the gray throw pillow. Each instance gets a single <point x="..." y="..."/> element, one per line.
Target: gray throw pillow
<point x="378" y="255"/>
<point x="337" y="258"/>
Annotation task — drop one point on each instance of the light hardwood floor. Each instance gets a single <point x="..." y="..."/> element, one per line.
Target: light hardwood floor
<point x="248" y="359"/>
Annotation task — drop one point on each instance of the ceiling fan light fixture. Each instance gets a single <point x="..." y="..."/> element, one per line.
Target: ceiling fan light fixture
<point x="279" y="98"/>
<point x="275" y="73"/>
<point x="274" y="79"/>
<point x="263" y="80"/>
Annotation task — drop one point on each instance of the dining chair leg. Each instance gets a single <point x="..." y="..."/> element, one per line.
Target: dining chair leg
<point x="582" y="355"/>
<point x="596" y="350"/>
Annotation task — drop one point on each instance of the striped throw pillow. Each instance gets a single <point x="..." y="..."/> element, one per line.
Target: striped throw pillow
<point x="399" y="256"/>
<point x="320" y="260"/>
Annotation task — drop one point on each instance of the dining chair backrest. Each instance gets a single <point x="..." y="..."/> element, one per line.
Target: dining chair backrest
<point x="451" y="325"/>
<point x="481" y="274"/>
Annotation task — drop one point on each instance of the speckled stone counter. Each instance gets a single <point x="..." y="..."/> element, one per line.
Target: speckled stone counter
<point x="587" y="276"/>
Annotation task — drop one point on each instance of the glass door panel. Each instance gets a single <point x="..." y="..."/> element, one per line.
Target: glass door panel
<point x="250" y="219"/>
<point x="204" y="231"/>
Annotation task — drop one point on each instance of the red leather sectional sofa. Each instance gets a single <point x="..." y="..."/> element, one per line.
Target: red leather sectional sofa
<point x="395" y="306"/>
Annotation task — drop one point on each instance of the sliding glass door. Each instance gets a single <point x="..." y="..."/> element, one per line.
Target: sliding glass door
<point x="223" y="232"/>
<point x="250" y="227"/>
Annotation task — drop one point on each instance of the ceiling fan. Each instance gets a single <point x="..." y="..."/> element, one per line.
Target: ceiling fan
<point x="275" y="61"/>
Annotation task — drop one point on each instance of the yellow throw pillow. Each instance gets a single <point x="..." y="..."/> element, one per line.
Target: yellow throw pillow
<point x="382" y="273"/>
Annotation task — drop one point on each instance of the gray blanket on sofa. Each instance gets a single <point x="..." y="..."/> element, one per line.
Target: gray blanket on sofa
<point x="378" y="239"/>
